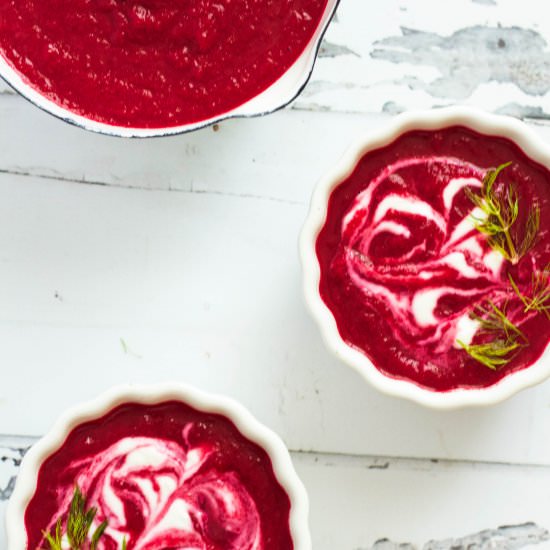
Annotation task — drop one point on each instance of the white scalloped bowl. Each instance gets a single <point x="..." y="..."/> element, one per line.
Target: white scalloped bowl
<point x="514" y="130"/>
<point x="279" y="94"/>
<point x="247" y="425"/>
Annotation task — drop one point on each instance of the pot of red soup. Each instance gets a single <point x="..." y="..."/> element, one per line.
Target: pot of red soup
<point x="159" y="67"/>
<point x="158" y="467"/>
<point x="426" y="257"/>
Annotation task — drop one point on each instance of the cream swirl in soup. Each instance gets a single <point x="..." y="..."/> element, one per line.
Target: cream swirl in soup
<point x="161" y="483"/>
<point x="410" y="278"/>
<point x="165" y="476"/>
<point x="405" y="246"/>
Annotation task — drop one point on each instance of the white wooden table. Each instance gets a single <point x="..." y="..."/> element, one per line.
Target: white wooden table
<point x="176" y="259"/>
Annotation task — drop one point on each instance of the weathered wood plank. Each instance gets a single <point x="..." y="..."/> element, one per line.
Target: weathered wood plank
<point x="102" y="285"/>
<point x="360" y="502"/>
<point x="279" y="157"/>
<point x="491" y="54"/>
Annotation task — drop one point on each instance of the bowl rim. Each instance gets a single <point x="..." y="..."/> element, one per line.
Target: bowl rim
<point x="19" y="83"/>
<point x="150" y="394"/>
<point x="480" y="121"/>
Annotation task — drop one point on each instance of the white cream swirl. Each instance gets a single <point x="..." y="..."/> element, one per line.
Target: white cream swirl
<point x="411" y="247"/>
<point x="158" y="494"/>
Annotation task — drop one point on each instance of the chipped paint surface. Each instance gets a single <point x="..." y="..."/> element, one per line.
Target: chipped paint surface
<point x="328" y="49"/>
<point x="471" y="57"/>
<point x="10" y="460"/>
<point x="483" y="53"/>
<point x="508" y="537"/>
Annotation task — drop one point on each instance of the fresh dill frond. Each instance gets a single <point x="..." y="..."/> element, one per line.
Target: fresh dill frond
<point x="56" y="539"/>
<point x="493" y="318"/>
<point x="507" y="337"/>
<point x="80" y="520"/>
<point x="493" y="354"/>
<point x="531" y="230"/>
<point x="538" y="298"/>
<point x="501" y="209"/>
<point x="79" y="523"/>
<point x="502" y="224"/>
<point x="97" y="535"/>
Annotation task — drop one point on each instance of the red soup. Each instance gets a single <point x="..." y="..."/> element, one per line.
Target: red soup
<point x="164" y="476"/>
<point x="420" y="272"/>
<point x="154" y="63"/>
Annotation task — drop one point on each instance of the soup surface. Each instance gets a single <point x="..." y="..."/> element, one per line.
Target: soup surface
<point x="154" y="63"/>
<point x="164" y="476"/>
<point x="412" y="280"/>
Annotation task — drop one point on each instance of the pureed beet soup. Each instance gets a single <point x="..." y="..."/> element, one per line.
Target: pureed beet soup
<point x="420" y="273"/>
<point x="154" y="63"/>
<point x="164" y="476"/>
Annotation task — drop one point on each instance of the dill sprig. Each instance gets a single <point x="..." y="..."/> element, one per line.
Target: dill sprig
<point x="539" y="296"/>
<point x="508" y="338"/>
<point x="494" y="354"/>
<point x="56" y="539"/>
<point x="494" y="319"/>
<point x="500" y="206"/>
<point x="501" y="209"/>
<point x="79" y="523"/>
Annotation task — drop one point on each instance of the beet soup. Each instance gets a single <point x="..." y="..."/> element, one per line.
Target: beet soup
<point x="413" y="275"/>
<point x="164" y="476"/>
<point x="154" y="63"/>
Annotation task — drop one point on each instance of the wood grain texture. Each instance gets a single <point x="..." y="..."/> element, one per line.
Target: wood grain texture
<point x="141" y="286"/>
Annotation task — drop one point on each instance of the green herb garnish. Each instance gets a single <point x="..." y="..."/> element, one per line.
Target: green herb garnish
<point x="501" y="209"/>
<point x="500" y="206"/>
<point x="79" y="523"/>
<point x="539" y="296"/>
<point x="56" y="539"/>
<point x="493" y="318"/>
<point x="508" y="338"/>
<point x="494" y="354"/>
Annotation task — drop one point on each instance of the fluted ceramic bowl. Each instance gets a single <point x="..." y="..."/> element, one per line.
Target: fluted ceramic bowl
<point x="277" y="95"/>
<point x="481" y="122"/>
<point x="246" y="424"/>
